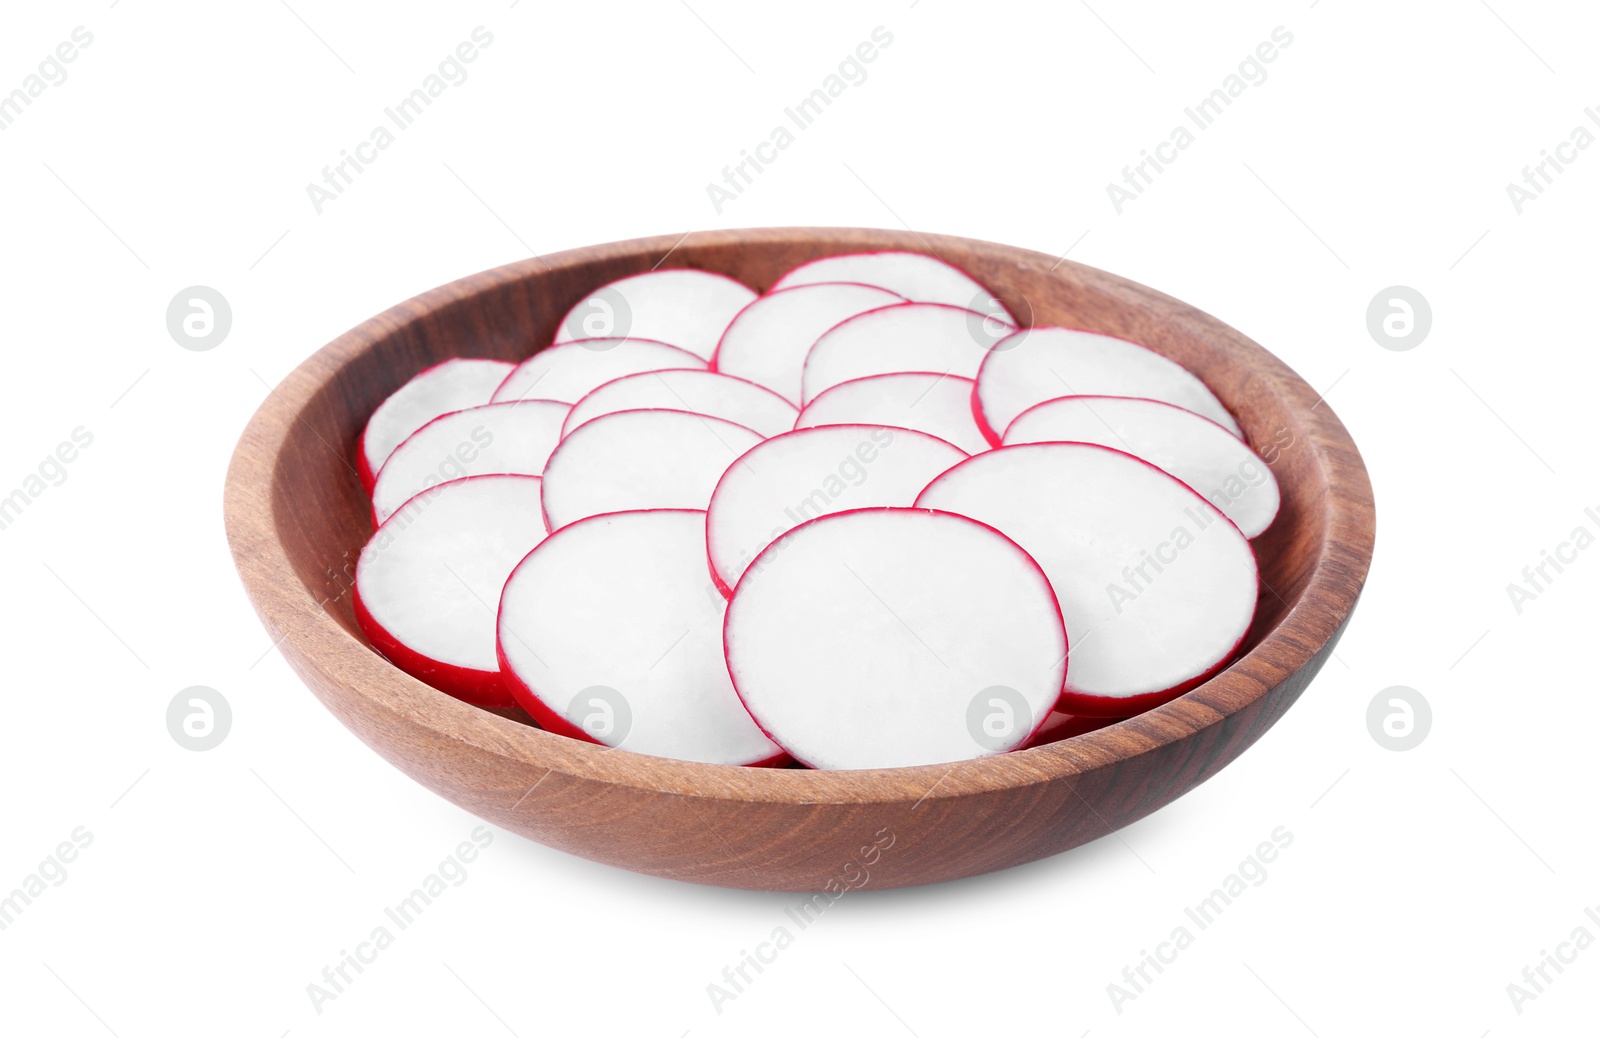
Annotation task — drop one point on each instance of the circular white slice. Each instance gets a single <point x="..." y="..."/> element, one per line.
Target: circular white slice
<point x="607" y="633"/>
<point x="568" y="371"/>
<point x="1216" y="464"/>
<point x="768" y="341"/>
<point x="428" y="581"/>
<point x="686" y="308"/>
<point x="696" y="391"/>
<point x="1158" y="587"/>
<point x="937" y="404"/>
<point x="510" y="438"/>
<point x="640" y="459"/>
<point x="891" y="637"/>
<point x="807" y="473"/>
<point x="932" y="337"/>
<point x="1039" y="364"/>
<point x="920" y="278"/>
<point x="445" y="387"/>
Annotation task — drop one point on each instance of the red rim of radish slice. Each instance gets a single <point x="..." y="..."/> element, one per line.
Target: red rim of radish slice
<point x="1048" y="534"/>
<point x="388" y="631"/>
<point x="657" y="355"/>
<point x="901" y="680"/>
<point x="386" y="504"/>
<point x="1206" y="398"/>
<point x="919" y="257"/>
<point x="719" y="430"/>
<point x="782" y="413"/>
<point x="974" y="324"/>
<point x="467" y="396"/>
<point x="699" y="326"/>
<point x="762" y="353"/>
<point x="736" y="482"/>
<point x="676" y="577"/>
<point x="975" y="443"/>
<point x="1259" y="519"/>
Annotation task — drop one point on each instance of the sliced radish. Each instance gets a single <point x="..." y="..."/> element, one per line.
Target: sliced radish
<point x="768" y="341"/>
<point x="1158" y="588"/>
<point x="445" y="387"/>
<point x="607" y="634"/>
<point x="686" y="308"/>
<point x="890" y="637"/>
<point x="920" y="278"/>
<point x="428" y="581"/>
<point x="640" y="459"/>
<point x="1039" y="364"/>
<point x="696" y="391"/>
<point x="940" y="405"/>
<point x="1213" y="461"/>
<point x="1059" y="726"/>
<point x="510" y="438"/>
<point x="944" y="340"/>
<point x="807" y="473"/>
<point x="569" y="371"/>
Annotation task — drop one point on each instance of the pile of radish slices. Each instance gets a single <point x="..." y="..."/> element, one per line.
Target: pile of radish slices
<point x="860" y="521"/>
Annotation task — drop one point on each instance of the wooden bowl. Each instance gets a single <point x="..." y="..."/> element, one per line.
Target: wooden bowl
<point x="297" y="518"/>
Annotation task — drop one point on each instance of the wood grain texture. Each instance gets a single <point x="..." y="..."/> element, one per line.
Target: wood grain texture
<point x="297" y="518"/>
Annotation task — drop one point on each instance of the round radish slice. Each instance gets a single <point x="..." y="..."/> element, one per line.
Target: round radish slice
<point x="1214" y="462"/>
<point x="944" y="340"/>
<point x="768" y="341"/>
<point x="1059" y="726"/>
<point x="511" y="438"/>
<point x="428" y="582"/>
<point x="607" y="634"/>
<point x="696" y="391"/>
<point x="1158" y="588"/>
<point x="807" y="473"/>
<point x="443" y="388"/>
<point x="888" y="637"/>
<point x="686" y="308"/>
<point x="940" y="405"/>
<point x="922" y="279"/>
<point x="569" y="371"/>
<point x="640" y="459"/>
<point x="1039" y="364"/>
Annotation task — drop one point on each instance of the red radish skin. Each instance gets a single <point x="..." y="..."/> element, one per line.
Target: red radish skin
<point x="1062" y="726"/>
<point x="1037" y="364"/>
<point x="1092" y="516"/>
<point x="568" y="371"/>
<point x="904" y="337"/>
<point x="919" y="277"/>
<point x="558" y="638"/>
<point x="837" y="667"/>
<point x="937" y="404"/>
<point x="695" y="390"/>
<point x="768" y="341"/>
<point x="683" y="307"/>
<point x="447" y="386"/>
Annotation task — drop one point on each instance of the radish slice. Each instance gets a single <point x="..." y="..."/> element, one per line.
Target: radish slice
<point x="1059" y="726"/>
<point x="889" y="637"/>
<point x="1039" y="364"/>
<point x="1157" y="586"/>
<point x="768" y="341"/>
<point x="607" y="634"/>
<point x="510" y="438"/>
<point x="905" y="337"/>
<point x="686" y="308"/>
<point x="696" y="391"/>
<point x="940" y="405"/>
<point x="571" y="370"/>
<point x="807" y="473"/>
<point x="921" y="279"/>
<point x="428" y="581"/>
<point x="640" y="459"/>
<point x="1215" y="463"/>
<point x="445" y="387"/>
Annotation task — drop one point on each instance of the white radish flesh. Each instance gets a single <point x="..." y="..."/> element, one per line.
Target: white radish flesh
<point x="684" y="308"/>
<point x="931" y="337"/>
<point x="1215" y="463"/>
<point x="696" y="391"/>
<point x="445" y="387"/>
<point x="1158" y="588"/>
<point x="607" y="633"/>
<point x="920" y="278"/>
<point x="940" y="405"/>
<point x="569" y="371"/>
<point x="895" y="637"/>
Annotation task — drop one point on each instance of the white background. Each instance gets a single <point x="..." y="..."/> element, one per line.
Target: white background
<point x="219" y="884"/>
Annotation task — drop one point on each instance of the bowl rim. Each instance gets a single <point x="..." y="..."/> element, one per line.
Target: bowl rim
<point x="359" y="685"/>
